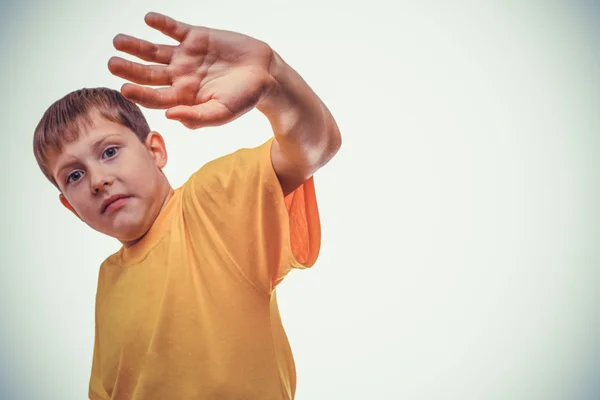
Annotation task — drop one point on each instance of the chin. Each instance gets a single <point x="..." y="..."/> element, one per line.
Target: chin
<point x="126" y="230"/>
<point x="131" y="233"/>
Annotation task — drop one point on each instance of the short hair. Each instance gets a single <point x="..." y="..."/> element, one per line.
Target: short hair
<point x="64" y="120"/>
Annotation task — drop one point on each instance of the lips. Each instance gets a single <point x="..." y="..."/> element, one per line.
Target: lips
<point x="111" y="200"/>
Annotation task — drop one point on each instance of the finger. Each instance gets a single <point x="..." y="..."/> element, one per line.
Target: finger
<point x="167" y="25"/>
<point x="211" y="113"/>
<point x="156" y="75"/>
<point x="161" y="98"/>
<point x="157" y="53"/>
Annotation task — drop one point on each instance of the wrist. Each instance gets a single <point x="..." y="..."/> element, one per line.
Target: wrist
<point x="275" y="100"/>
<point x="289" y="102"/>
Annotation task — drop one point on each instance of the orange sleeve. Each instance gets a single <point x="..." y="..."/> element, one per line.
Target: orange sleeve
<point x="238" y="201"/>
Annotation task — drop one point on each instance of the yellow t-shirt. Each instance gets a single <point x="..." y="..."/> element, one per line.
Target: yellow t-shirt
<point x="190" y="311"/>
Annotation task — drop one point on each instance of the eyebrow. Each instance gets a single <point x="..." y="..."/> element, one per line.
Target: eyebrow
<point x="72" y="161"/>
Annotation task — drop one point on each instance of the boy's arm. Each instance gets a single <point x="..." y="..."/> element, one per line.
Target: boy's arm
<point x="213" y="77"/>
<point x="306" y="134"/>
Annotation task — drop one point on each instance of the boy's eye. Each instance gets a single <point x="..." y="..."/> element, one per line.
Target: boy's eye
<point x="74" y="176"/>
<point x="110" y="152"/>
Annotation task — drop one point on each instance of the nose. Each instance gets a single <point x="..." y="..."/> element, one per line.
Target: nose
<point x="100" y="179"/>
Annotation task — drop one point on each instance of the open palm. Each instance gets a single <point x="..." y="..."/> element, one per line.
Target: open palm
<point x="210" y="78"/>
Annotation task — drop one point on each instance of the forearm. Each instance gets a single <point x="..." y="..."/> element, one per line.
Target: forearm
<point x="303" y="127"/>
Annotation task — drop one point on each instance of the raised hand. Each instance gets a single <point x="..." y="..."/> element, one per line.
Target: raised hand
<point x="210" y="78"/>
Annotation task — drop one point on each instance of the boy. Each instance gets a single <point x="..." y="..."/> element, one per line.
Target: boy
<point x="186" y="309"/>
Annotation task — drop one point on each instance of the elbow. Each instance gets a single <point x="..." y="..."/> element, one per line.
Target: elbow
<point x="333" y="142"/>
<point x="336" y="139"/>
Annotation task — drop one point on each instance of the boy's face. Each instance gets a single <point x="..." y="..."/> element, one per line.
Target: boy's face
<point x="111" y="180"/>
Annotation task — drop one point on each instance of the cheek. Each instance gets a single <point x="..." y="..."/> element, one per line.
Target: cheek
<point x="80" y="202"/>
<point x="142" y="174"/>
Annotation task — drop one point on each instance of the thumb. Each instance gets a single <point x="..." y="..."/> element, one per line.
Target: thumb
<point x="211" y="113"/>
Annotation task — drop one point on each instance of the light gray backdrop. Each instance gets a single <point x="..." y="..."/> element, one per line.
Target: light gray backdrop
<point x="460" y="219"/>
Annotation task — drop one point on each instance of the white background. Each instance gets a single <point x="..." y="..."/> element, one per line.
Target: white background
<point x="460" y="219"/>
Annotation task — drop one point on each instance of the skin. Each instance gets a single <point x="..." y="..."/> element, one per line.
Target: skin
<point x="108" y="159"/>
<point x="213" y="77"/>
<point x="210" y="78"/>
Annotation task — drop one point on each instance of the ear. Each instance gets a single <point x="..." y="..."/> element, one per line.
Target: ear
<point x="156" y="146"/>
<point x="67" y="205"/>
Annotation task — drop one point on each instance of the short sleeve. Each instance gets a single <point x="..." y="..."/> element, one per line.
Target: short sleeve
<point x="236" y="201"/>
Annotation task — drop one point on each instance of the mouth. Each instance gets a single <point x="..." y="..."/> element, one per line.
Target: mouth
<point x="113" y="202"/>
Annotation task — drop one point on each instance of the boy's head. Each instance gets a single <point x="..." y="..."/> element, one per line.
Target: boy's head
<point x="96" y="147"/>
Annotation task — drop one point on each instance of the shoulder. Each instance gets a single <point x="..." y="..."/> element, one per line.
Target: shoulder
<point x="111" y="268"/>
<point x="236" y="168"/>
<point x="240" y="158"/>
